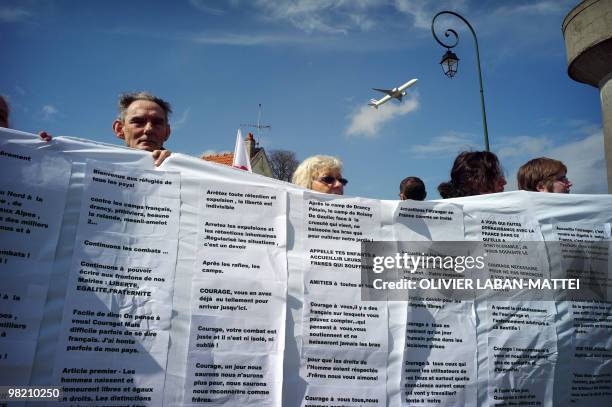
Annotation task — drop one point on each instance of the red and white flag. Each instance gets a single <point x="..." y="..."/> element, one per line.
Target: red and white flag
<point x="241" y="158"/>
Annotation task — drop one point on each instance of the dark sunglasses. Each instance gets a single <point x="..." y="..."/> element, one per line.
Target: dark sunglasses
<point x="329" y="180"/>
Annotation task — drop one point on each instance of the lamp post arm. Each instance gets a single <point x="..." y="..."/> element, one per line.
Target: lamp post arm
<point x="446" y="34"/>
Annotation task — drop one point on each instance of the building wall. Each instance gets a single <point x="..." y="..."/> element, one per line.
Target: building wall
<point x="587" y="30"/>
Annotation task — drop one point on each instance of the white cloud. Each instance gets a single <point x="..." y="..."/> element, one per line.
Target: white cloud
<point x="49" y="111"/>
<point x="449" y="144"/>
<point x="325" y="16"/>
<point x="205" y="7"/>
<point x="512" y="25"/>
<point x="180" y="122"/>
<point x="11" y="15"/>
<point x="522" y="146"/>
<point x="536" y="8"/>
<point x="221" y="38"/>
<point x="367" y="121"/>
<point x="578" y="123"/>
<point x="362" y="21"/>
<point x="423" y="10"/>
<point x="584" y="159"/>
<point x="249" y="39"/>
<point x="342" y="16"/>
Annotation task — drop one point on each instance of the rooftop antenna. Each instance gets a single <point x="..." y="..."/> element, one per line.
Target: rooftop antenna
<point x="258" y="126"/>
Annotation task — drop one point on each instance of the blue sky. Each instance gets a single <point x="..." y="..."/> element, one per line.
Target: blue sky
<point x="311" y="64"/>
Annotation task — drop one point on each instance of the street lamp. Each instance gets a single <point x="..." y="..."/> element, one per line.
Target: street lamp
<point x="450" y="62"/>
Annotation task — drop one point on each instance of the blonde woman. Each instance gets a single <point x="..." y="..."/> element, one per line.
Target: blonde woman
<point x="321" y="173"/>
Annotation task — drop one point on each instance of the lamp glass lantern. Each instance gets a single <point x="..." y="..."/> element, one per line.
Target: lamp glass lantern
<point x="449" y="63"/>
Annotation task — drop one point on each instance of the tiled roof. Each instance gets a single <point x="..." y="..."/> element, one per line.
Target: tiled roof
<point x="225" y="159"/>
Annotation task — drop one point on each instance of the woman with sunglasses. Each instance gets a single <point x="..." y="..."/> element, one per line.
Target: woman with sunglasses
<point x="321" y="173"/>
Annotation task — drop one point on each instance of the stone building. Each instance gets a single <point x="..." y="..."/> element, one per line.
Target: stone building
<point x="587" y="30"/>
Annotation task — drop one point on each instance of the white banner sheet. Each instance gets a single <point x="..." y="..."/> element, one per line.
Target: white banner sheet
<point x="238" y="297"/>
<point x="584" y="252"/>
<point x="199" y="284"/>
<point x="33" y="188"/>
<point x="118" y="298"/>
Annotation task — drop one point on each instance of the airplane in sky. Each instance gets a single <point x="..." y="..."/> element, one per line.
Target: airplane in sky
<point x="396" y="93"/>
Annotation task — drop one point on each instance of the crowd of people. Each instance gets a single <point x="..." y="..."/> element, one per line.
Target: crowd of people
<point x="473" y="173"/>
<point x="143" y="123"/>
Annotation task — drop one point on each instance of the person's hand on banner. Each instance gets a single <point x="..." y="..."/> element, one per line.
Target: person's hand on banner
<point x="44" y="136"/>
<point x="160" y="155"/>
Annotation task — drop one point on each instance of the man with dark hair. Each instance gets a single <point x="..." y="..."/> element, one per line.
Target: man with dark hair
<point x="412" y="188"/>
<point x="4" y="112"/>
<point x="543" y="175"/>
<point x="474" y="173"/>
<point x="143" y="123"/>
